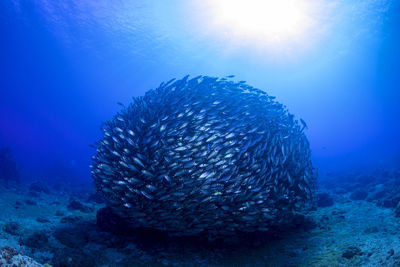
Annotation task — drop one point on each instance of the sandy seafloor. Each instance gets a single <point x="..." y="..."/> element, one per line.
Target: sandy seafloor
<point x="348" y="233"/>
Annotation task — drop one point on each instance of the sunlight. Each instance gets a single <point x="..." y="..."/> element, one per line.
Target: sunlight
<point x="274" y="20"/>
<point x="276" y="25"/>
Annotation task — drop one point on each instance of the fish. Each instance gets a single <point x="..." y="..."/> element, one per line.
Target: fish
<point x="304" y="124"/>
<point x="207" y="156"/>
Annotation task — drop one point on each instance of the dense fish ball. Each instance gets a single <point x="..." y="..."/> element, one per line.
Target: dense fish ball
<point x="204" y="156"/>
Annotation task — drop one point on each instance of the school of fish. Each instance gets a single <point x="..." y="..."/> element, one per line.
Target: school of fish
<point x="204" y="156"/>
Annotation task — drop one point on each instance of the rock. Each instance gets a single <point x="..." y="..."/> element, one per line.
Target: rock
<point x="36" y="240"/>
<point x="59" y="213"/>
<point x="72" y="258"/>
<point x="18" y="204"/>
<point x="388" y="203"/>
<point x="106" y="239"/>
<point x="359" y="194"/>
<point x="71" y="219"/>
<point x="371" y="230"/>
<point x="12" y="228"/>
<point x="76" y="205"/>
<point x="42" y="220"/>
<point x="376" y="195"/>
<point x="397" y="210"/>
<point x="95" y="197"/>
<point x="39" y="187"/>
<point x="324" y="200"/>
<point x="33" y="194"/>
<point x="303" y="222"/>
<point x="30" y="202"/>
<point x="351" y="251"/>
<point x="109" y="221"/>
<point x="10" y="257"/>
<point x="72" y="236"/>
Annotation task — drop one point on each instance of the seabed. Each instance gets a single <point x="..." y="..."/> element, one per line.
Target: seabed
<point x="356" y="224"/>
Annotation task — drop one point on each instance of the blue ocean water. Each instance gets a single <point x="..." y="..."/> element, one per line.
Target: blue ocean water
<point x="64" y="66"/>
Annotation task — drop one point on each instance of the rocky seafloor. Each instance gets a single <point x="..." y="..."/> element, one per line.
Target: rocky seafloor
<point x="356" y="223"/>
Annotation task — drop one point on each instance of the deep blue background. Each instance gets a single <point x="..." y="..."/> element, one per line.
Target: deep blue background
<point x="64" y="66"/>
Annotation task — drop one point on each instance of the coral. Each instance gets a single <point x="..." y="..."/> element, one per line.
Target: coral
<point x="10" y="257"/>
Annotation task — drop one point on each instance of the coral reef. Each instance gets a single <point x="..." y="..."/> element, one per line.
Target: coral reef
<point x="10" y="257"/>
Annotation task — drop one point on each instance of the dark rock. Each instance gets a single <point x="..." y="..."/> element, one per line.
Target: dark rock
<point x="106" y="239"/>
<point x="72" y="258"/>
<point x="39" y="187"/>
<point x="95" y="197"/>
<point x="338" y="212"/>
<point x="42" y="220"/>
<point x="17" y="204"/>
<point x="31" y="202"/>
<point x="59" y="213"/>
<point x="12" y="228"/>
<point x="324" y="200"/>
<point x="75" y="236"/>
<point x="351" y="251"/>
<point x="71" y="219"/>
<point x="376" y="195"/>
<point x="36" y="240"/>
<point x="76" y="205"/>
<point x="303" y="222"/>
<point x="33" y="194"/>
<point x="70" y="237"/>
<point x="359" y="194"/>
<point x="397" y="210"/>
<point x="388" y="203"/>
<point x="109" y="221"/>
<point x="371" y="230"/>
<point x="391" y="252"/>
<point x="340" y="191"/>
<point x="59" y="187"/>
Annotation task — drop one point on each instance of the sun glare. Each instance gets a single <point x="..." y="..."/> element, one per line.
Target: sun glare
<point x="275" y="24"/>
